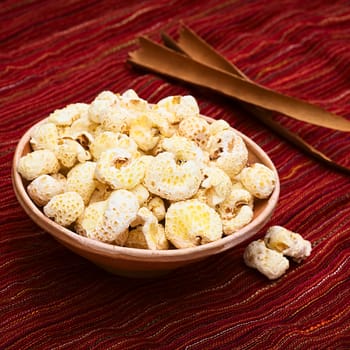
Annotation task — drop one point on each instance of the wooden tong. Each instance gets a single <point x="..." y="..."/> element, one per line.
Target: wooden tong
<point x="192" y="60"/>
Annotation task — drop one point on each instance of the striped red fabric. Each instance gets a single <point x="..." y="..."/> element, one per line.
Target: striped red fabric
<point x="57" y="52"/>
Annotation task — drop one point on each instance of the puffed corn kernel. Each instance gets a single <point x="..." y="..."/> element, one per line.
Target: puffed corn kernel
<point x="191" y="223"/>
<point x="196" y="129"/>
<point x="228" y="152"/>
<point x="288" y="243"/>
<point x="67" y="115"/>
<point x="141" y="194"/>
<point x="64" y="208"/>
<point x="38" y="163"/>
<point x="69" y="152"/>
<point x="116" y="168"/>
<point x="144" y="132"/>
<point x="90" y="223"/>
<point x="44" y="187"/>
<point x="153" y="231"/>
<point x="180" y="107"/>
<point x="217" y="126"/>
<point x="217" y="185"/>
<point x="269" y="262"/>
<point x="184" y="149"/>
<point x="157" y="207"/>
<point x="121" y="210"/>
<point x="44" y="136"/>
<point x="136" y="239"/>
<point x="258" y="179"/>
<point x="81" y="179"/>
<point x="167" y="179"/>
<point x="107" y="140"/>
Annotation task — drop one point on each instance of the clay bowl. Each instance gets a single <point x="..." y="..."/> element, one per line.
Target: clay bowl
<point x="134" y="262"/>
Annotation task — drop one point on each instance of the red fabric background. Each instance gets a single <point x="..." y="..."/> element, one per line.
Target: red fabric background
<point x="57" y="52"/>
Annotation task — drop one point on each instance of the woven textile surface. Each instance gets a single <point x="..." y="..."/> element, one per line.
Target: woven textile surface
<point x="53" y="53"/>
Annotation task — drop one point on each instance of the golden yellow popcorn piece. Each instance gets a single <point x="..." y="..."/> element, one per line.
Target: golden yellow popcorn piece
<point x="67" y="115"/>
<point x="196" y="129"/>
<point x="258" y="179"/>
<point x="116" y="168"/>
<point x="107" y="140"/>
<point x="106" y="105"/>
<point x="236" y="211"/>
<point x="179" y="107"/>
<point x="81" y="179"/>
<point x="184" y="149"/>
<point x="38" y="163"/>
<point x="64" y="208"/>
<point x="144" y="132"/>
<point x="217" y="185"/>
<point x="269" y="262"/>
<point x="288" y="243"/>
<point x="101" y="192"/>
<point x="90" y="223"/>
<point x="136" y="239"/>
<point x="161" y="122"/>
<point x="167" y="179"/>
<point x="218" y="125"/>
<point x="153" y="232"/>
<point x="44" y="136"/>
<point x="69" y="152"/>
<point x="132" y="102"/>
<point x="157" y="207"/>
<point x="121" y="210"/>
<point x="228" y="152"/>
<point x="44" y="187"/>
<point x="141" y="194"/>
<point x="191" y="223"/>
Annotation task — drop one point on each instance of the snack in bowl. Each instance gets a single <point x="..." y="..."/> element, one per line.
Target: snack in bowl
<point x="142" y="176"/>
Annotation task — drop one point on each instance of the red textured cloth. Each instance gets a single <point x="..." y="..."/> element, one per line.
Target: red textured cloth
<point x="57" y="52"/>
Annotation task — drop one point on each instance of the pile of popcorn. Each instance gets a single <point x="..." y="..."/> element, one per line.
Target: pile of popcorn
<point x="154" y="176"/>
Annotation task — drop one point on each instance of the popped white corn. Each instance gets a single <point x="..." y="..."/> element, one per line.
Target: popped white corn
<point x="167" y="179"/>
<point x="289" y="243"/>
<point x="196" y="129"/>
<point x="157" y="207"/>
<point x="228" y="151"/>
<point x="236" y="211"/>
<point x="44" y="136"/>
<point x="81" y="179"/>
<point x="154" y="176"/>
<point x="121" y="209"/>
<point x="67" y="115"/>
<point x="185" y="149"/>
<point x="217" y="185"/>
<point x="118" y="169"/>
<point x="144" y="131"/>
<point x="141" y="193"/>
<point x="136" y="239"/>
<point x="217" y="126"/>
<point x="191" y="223"/>
<point x="153" y="232"/>
<point x="44" y="187"/>
<point x="38" y="163"/>
<point x="69" y="152"/>
<point x="64" y="208"/>
<point x="269" y="262"/>
<point x="179" y="107"/>
<point x="108" y="139"/>
<point x="258" y="179"/>
<point x="90" y="223"/>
